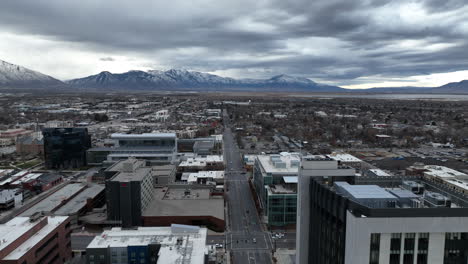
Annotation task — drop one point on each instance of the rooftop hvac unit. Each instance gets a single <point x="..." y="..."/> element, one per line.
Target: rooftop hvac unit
<point x="275" y="158"/>
<point x="413" y="187"/>
<point x="295" y="163"/>
<point x="434" y="199"/>
<point x="280" y="165"/>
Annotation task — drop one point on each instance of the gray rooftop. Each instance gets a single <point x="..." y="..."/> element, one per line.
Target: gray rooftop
<point x="79" y="201"/>
<point x="137" y="175"/>
<point x="143" y="136"/>
<point x="53" y="201"/>
<point x="173" y="202"/>
<point x="365" y="191"/>
<point x="119" y="166"/>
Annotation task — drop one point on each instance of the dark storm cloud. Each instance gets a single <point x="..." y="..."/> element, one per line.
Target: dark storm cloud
<point x="326" y="39"/>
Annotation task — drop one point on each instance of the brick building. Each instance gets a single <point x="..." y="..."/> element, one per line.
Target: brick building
<point x="35" y="239"/>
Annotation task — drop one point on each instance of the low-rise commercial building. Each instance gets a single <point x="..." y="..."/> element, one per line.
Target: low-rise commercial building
<point x="30" y="145"/>
<point x="163" y="245"/>
<point x="275" y="182"/>
<point x="202" y="163"/>
<point x="185" y="204"/>
<point x="204" y="177"/>
<point x="9" y="197"/>
<point x="347" y="160"/>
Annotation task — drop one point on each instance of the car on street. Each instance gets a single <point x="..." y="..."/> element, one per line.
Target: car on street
<point x="254" y="240"/>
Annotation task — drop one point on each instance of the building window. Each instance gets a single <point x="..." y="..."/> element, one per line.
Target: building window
<point x="374" y="248"/>
<point x="456" y="248"/>
<point x="395" y="248"/>
<point x="409" y="248"/>
<point x="423" y="246"/>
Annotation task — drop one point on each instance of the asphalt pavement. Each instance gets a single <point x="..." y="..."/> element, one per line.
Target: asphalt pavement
<point x="245" y="236"/>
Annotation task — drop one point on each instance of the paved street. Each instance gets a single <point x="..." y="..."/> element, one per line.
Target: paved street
<point x="245" y="237"/>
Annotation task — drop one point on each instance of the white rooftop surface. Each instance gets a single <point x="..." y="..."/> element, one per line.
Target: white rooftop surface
<point x="144" y="135"/>
<point x="192" y="177"/>
<point x="169" y="253"/>
<point x="290" y="179"/>
<point x="201" y="161"/>
<point x="3" y="171"/>
<point x="444" y="172"/>
<point x="16" y="227"/>
<point x="269" y="167"/>
<point x="344" y="157"/>
<point x="54" y="200"/>
<point x="28" y="177"/>
<point x="20" y="174"/>
<point x="459" y="183"/>
<point x="380" y="173"/>
<point x="366" y="191"/>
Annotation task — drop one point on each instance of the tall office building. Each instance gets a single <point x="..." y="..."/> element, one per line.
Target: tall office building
<point x="128" y="192"/>
<point x="65" y="147"/>
<point x="385" y="221"/>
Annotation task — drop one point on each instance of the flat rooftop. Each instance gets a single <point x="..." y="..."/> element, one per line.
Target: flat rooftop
<point x="365" y="191"/>
<point x="190" y="250"/>
<point x="143" y="136"/>
<point x="27" y="178"/>
<point x="119" y="166"/>
<point x="380" y="173"/>
<point x="78" y="202"/>
<point x="201" y="160"/>
<point x="279" y="189"/>
<point x="137" y="175"/>
<point x="391" y="195"/>
<point x="344" y="157"/>
<point x="174" y="202"/>
<point x="163" y="170"/>
<point x="215" y="175"/>
<point x="286" y="163"/>
<point x="444" y="172"/>
<point x="56" y="199"/>
<point x="18" y="226"/>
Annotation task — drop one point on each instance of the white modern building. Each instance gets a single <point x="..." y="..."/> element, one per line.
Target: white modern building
<point x="155" y="147"/>
<point x="380" y="223"/>
<point x="156" y="245"/>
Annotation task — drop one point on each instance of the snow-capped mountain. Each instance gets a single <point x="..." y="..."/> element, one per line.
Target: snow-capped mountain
<point x="454" y="87"/>
<point x="191" y="80"/>
<point x="15" y="76"/>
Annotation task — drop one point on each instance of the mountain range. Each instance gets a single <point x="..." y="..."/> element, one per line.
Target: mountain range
<point x="191" y="80"/>
<point x="14" y="77"/>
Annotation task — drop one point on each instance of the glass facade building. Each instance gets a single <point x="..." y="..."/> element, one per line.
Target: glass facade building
<point x="65" y="147"/>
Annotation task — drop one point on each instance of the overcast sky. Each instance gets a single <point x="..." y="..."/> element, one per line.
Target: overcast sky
<point x="351" y="43"/>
